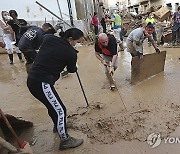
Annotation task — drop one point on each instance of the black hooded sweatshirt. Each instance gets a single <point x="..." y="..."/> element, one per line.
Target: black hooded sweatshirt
<point x="54" y="55"/>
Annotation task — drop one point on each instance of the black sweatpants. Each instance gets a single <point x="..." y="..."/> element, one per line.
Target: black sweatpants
<point x="96" y="30"/>
<point x="47" y="94"/>
<point x="30" y="56"/>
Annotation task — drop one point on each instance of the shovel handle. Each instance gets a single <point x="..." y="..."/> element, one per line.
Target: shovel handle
<point x="22" y="144"/>
<point x="82" y="88"/>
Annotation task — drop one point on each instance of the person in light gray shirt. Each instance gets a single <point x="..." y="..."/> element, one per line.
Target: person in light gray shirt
<point x="135" y="40"/>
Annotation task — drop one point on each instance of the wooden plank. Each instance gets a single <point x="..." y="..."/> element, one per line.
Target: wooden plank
<point x="148" y="66"/>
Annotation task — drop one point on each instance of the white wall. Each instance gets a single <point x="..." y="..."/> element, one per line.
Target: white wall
<point x="112" y="3"/>
<point x="30" y="11"/>
<point x="173" y="2"/>
<point x="134" y="2"/>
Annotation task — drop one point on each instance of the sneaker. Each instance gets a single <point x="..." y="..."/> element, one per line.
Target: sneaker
<point x="64" y="74"/>
<point x="70" y="142"/>
<point x="112" y="87"/>
<point x="11" y="62"/>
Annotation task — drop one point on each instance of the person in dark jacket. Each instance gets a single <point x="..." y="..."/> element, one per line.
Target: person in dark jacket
<point x="176" y="28"/>
<point x="103" y="23"/>
<point x="54" y="55"/>
<point x="31" y="41"/>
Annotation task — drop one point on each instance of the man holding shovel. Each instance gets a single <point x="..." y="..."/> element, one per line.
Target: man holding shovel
<point x="135" y="40"/>
<point x="106" y="52"/>
<point x="54" y="55"/>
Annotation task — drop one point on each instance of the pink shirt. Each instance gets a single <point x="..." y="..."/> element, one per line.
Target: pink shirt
<point x="95" y="20"/>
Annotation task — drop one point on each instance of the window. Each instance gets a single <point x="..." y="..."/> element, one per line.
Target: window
<point x="169" y="6"/>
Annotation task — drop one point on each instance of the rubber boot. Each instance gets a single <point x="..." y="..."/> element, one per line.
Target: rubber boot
<point x="20" y="57"/>
<point x="28" y="67"/>
<point x="70" y="142"/>
<point x="11" y="58"/>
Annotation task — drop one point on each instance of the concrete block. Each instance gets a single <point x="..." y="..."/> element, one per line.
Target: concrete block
<point x="148" y="66"/>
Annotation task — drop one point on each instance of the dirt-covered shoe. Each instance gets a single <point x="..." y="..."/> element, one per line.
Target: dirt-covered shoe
<point x="64" y="74"/>
<point x="11" y="62"/>
<point x="70" y="142"/>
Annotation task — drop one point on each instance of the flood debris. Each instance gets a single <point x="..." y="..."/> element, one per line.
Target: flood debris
<point x="149" y="65"/>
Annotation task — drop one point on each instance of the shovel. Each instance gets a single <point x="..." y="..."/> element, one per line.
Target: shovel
<point x="24" y="146"/>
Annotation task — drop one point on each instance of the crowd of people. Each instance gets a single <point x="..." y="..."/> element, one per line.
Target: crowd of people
<point x="55" y="53"/>
<point x="114" y="21"/>
<point x="44" y="67"/>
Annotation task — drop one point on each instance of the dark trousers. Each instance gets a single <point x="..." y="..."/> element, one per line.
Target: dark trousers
<point x="96" y="30"/>
<point x="176" y="35"/>
<point x="47" y="94"/>
<point x="154" y="36"/>
<point x="30" y="56"/>
<point x="104" y="28"/>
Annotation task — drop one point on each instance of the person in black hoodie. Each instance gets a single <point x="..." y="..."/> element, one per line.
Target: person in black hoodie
<point x="31" y="41"/>
<point x="54" y="55"/>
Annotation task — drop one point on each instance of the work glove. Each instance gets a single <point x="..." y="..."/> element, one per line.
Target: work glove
<point x="140" y="55"/>
<point x="111" y="70"/>
<point x="104" y="62"/>
<point x="157" y="50"/>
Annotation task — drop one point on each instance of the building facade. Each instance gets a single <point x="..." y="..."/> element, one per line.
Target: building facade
<point x="140" y="6"/>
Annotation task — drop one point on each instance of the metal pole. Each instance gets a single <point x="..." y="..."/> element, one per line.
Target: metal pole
<point x="70" y="12"/>
<point x="60" y="12"/>
<point x="52" y="13"/>
<point x="82" y="88"/>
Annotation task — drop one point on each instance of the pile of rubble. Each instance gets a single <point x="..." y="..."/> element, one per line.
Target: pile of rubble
<point x="163" y="22"/>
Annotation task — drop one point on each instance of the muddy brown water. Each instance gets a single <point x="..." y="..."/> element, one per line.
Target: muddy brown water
<point x="115" y="122"/>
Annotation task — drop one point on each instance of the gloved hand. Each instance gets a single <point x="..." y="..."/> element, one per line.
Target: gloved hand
<point x="140" y="55"/>
<point x="104" y="63"/>
<point x="157" y="50"/>
<point x="111" y="70"/>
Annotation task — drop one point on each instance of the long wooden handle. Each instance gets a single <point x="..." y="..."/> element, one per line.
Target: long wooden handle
<point x="7" y="145"/>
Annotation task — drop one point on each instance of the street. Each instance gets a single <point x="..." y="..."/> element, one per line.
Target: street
<point x="116" y="121"/>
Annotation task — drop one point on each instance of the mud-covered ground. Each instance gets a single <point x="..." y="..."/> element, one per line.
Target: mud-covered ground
<point x="115" y="122"/>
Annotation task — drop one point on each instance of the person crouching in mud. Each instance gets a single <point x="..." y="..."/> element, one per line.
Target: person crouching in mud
<point x="54" y="55"/>
<point x="135" y="40"/>
<point x="106" y="52"/>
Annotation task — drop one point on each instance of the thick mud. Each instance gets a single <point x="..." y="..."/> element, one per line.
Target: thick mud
<point x="115" y="122"/>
